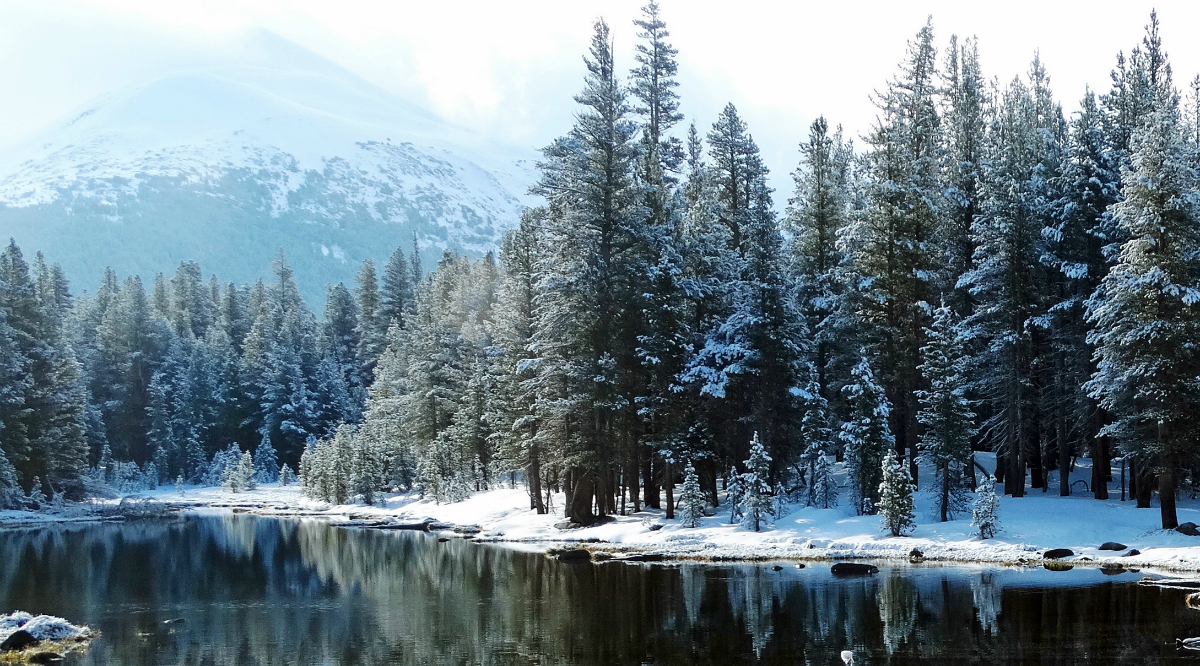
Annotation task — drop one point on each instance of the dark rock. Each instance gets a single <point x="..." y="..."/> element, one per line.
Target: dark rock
<point x="1133" y="552"/>
<point x="45" y="658"/>
<point x="18" y="640"/>
<point x="853" y="569"/>
<point x="1057" y="553"/>
<point x="575" y="555"/>
<point x="776" y="568"/>
<point x="643" y="557"/>
<point x="1189" y="529"/>
<point x="1112" y="545"/>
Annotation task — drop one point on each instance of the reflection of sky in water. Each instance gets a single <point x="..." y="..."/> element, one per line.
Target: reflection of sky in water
<point x="255" y="590"/>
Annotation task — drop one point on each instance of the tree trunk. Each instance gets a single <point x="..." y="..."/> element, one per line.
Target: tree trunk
<point x="1143" y="482"/>
<point x="534" y="473"/>
<point x="945" y="492"/>
<point x="1099" y="455"/>
<point x="579" y="506"/>
<point x="669" y="486"/>
<point x="1166" y="496"/>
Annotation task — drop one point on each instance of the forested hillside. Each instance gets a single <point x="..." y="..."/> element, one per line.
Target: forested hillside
<point x="981" y="271"/>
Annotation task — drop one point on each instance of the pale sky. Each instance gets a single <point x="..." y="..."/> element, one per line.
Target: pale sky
<point x="510" y="69"/>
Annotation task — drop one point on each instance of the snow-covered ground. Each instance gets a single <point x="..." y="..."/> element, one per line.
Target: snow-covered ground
<point x="1029" y="526"/>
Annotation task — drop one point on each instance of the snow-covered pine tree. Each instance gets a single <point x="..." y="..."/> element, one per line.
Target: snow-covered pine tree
<point x="1081" y="229"/>
<point x="36" y="496"/>
<point x="10" y="489"/>
<point x="985" y="514"/>
<point x="816" y="432"/>
<point x="518" y="442"/>
<point x="866" y="436"/>
<point x="266" y="462"/>
<point x="1146" y="317"/>
<point x="692" y="502"/>
<point x="240" y="477"/>
<point x="372" y="329"/>
<point x="825" y="487"/>
<point x="757" y="495"/>
<point x="396" y="296"/>
<point x="892" y="250"/>
<point x="1009" y="281"/>
<point x="946" y="414"/>
<point x="590" y="273"/>
<point x="895" y="506"/>
<point x="817" y="212"/>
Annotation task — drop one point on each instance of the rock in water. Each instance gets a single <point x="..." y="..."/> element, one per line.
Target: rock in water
<point x="1112" y="545"/>
<point x="1189" y="529"/>
<point x="575" y="555"/>
<point x="853" y="569"/>
<point x="17" y="640"/>
<point x="1057" y="553"/>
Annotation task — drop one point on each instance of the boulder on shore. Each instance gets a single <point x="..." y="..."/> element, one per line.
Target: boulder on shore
<point x="18" y="640"/>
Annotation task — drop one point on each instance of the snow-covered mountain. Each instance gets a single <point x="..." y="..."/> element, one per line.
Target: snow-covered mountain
<point x="225" y="164"/>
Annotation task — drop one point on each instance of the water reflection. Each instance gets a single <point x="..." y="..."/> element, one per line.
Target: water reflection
<point x="264" y="591"/>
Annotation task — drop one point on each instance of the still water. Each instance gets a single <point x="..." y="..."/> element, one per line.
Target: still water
<point x="256" y="590"/>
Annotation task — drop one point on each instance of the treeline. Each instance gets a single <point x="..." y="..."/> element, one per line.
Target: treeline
<point x="984" y="272"/>
<point x="167" y="378"/>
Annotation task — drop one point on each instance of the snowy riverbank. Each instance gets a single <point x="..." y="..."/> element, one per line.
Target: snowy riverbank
<point x="1030" y="526"/>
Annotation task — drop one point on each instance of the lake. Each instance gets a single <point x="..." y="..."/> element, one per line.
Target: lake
<point x="255" y="590"/>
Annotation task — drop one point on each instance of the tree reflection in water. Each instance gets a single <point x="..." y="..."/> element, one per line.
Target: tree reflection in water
<point x="268" y="591"/>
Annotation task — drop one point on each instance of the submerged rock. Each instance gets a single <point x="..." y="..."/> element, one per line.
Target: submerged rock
<point x="853" y="569"/>
<point x="574" y="555"/>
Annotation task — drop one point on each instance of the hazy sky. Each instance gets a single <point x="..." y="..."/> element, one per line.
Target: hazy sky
<point x="509" y="69"/>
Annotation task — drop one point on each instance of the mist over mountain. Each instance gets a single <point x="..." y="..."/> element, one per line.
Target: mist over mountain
<point x="226" y="164"/>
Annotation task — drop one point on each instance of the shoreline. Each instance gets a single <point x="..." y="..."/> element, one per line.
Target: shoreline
<point x="498" y="518"/>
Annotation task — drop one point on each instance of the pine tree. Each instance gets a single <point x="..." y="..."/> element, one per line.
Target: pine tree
<point x="825" y="488"/>
<point x="372" y="328"/>
<point x="593" y="212"/>
<point x="266" y="463"/>
<point x="946" y="414"/>
<point x="1009" y="279"/>
<point x="892" y="248"/>
<point x="10" y="489"/>
<point x="396" y="297"/>
<point x="36" y="496"/>
<point x="865" y="436"/>
<point x="985" y="515"/>
<point x="895" y="504"/>
<point x="817" y="213"/>
<point x="757" y="494"/>
<point x="1147" y="314"/>
<point x="691" y="499"/>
